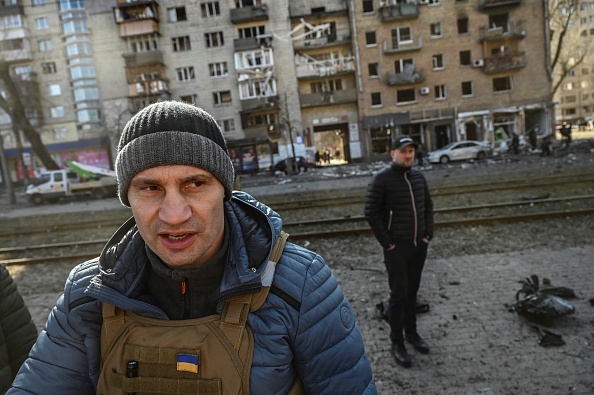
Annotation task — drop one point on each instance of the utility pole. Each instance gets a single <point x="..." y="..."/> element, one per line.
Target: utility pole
<point x="290" y="130"/>
<point x="5" y="174"/>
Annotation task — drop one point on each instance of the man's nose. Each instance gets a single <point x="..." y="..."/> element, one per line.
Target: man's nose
<point x="174" y="208"/>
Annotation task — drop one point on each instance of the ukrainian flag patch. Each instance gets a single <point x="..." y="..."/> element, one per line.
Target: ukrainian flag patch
<point x="187" y="363"/>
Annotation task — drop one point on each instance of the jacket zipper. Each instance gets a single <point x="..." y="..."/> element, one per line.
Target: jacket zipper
<point x="412" y="198"/>
<point x="390" y="220"/>
<point x="184" y="288"/>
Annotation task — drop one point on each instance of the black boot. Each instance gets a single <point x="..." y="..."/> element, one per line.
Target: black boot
<point x="400" y="354"/>
<point x="418" y="343"/>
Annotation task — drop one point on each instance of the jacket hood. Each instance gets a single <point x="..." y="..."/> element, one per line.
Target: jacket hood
<point x="253" y="230"/>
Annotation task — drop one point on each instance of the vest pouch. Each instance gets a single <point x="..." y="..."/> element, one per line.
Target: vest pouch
<point x="172" y="357"/>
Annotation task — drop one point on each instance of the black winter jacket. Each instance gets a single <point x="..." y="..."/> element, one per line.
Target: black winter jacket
<point x="17" y="331"/>
<point x="398" y="206"/>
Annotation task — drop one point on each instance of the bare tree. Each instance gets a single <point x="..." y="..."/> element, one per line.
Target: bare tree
<point x="13" y="106"/>
<point x="568" y="48"/>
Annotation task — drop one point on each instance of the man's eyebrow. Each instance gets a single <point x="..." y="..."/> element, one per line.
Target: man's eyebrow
<point x="143" y="181"/>
<point x="196" y="177"/>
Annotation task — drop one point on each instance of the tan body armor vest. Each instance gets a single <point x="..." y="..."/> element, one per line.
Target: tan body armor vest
<point x="207" y="356"/>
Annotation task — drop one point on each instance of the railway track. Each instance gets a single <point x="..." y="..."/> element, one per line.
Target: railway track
<point x="563" y="184"/>
<point x="55" y="252"/>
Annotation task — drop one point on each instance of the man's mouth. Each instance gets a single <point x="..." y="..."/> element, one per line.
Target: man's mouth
<point x="177" y="237"/>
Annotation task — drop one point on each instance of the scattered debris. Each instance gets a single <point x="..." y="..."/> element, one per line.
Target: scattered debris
<point x="541" y="306"/>
<point x="547" y="338"/>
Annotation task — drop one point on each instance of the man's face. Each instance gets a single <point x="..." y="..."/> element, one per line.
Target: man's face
<point x="179" y="213"/>
<point x="403" y="157"/>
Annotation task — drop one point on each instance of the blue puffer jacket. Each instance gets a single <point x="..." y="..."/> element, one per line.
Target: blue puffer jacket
<point x="306" y="327"/>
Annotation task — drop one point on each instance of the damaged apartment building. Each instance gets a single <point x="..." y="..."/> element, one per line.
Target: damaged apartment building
<point x="283" y="78"/>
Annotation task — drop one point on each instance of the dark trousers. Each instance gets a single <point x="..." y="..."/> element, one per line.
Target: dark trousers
<point x="404" y="265"/>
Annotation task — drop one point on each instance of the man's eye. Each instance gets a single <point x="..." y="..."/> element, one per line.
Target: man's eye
<point x="151" y="188"/>
<point x="196" y="183"/>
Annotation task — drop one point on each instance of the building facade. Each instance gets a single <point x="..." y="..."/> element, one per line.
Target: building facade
<point x="444" y="71"/>
<point x="575" y="95"/>
<point x="340" y="78"/>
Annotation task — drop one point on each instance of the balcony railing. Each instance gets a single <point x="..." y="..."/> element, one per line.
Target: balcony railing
<point x="251" y="14"/>
<point x="138" y="59"/>
<point x="515" y="29"/>
<point x="406" y="77"/>
<point x="348" y="95"/>
<point x="16" y="55"/>
<point x="505" y="61"/>
<point x="324" y="68"/>
<point x="246" y="44"/>
<point x="138" y="26"/>
<point x="147" y="88"/>
<point x="390" y="12"/>
<point x="487" y="4"/>
<point x="342" y="36"/>
<point x="397" y="47"/>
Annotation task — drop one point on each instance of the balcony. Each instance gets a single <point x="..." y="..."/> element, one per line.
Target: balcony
<point x="505" y="61"/>
<point x="148" y="88"/>
<point x="250" y="106"/>
<point x="12" y="9"/>
<point x="324" y="68"/>
<point x="249" y="14"/>
<point x="515" y="29"/>
<point x="394" y="12"/>
<point x="340" y="37"/>
<point x="342" y="96"/>
<point x="139" y="59"/>
<point x="16" y="55"/>
<point x="489" y="4"/>
<point x="135" y="18"/>
<point x="399" y="47"/>
<point x="408" y="76"/>
<point x="138" y="27"/>
<point x="249" y="43"/>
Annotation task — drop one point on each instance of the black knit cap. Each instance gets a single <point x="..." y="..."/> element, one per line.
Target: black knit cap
<point x="172" y="133"/>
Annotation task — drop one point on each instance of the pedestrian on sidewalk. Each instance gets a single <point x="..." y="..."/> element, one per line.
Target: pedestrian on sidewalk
<point x="399" y="209"/>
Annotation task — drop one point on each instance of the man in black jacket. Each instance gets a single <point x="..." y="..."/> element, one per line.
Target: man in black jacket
<point x="399" y="209"/>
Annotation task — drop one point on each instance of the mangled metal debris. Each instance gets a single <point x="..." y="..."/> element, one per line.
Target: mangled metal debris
<point x="542" y="305"/>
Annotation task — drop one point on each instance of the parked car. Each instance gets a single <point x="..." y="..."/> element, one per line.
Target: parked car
<point x="461" y="150"/>
<point x="300" y="166"/>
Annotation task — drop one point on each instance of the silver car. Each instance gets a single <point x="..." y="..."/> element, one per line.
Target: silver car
<point x="460" y="150"/>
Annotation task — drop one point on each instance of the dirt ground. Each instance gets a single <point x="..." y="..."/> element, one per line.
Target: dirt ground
<point x="478" y="345"/>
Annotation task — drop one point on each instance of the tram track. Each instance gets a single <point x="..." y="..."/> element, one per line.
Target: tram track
<point x="64" y="224"/>
<point x="55" y="250"/>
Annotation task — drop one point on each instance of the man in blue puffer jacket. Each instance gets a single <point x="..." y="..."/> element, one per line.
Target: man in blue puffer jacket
<point x="192" y="246"/>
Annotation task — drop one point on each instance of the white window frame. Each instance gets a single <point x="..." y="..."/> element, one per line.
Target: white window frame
<point x="221" y="97"/>
<point x="210" y="9"/>
<point x="187" y="73"/>
<point x="41" y="23"/>
<point x="227" y="125"/>
<point x="54" y="90"/>
<point x="257" y="88"/>
<point x="437" y="60"/>
<point x="45" y="45"/>
<point x="57" y="112"/>
<point x="214" y="39"/>
<point x="256" y="58"/>
<point x="441" y="92"/>
<point x="438" y="29"/>
<point x="174" y="14"/>
<point x="218" y="70"/>
<point x="181" y="43"/>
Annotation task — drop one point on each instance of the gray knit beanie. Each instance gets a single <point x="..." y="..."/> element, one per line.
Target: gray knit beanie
<point x="172" y="133"/>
